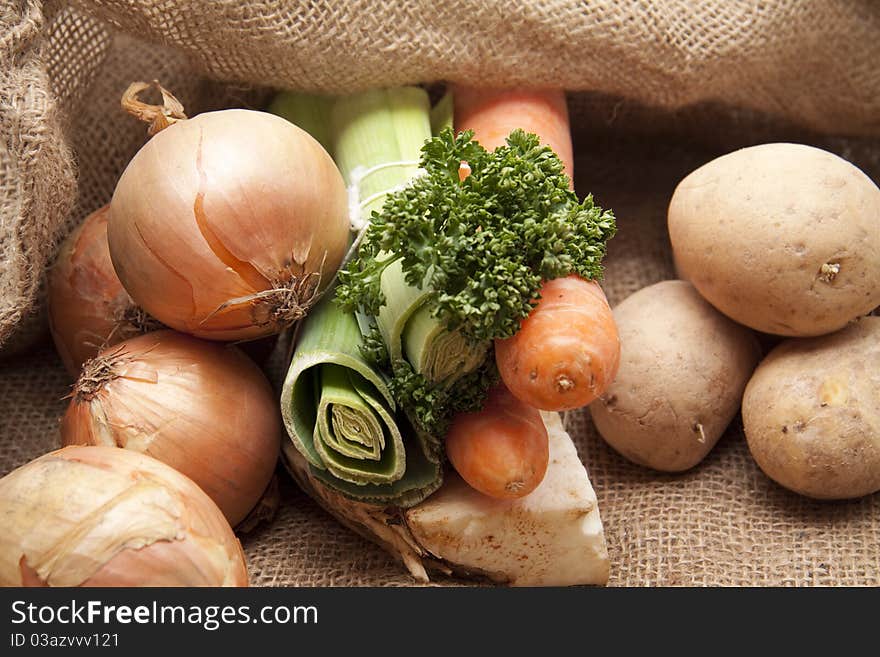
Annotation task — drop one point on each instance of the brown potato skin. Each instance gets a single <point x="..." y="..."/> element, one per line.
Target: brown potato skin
<point x="811" y="413"/>
<point x="683" y="366"/>
<point x="753" y="228"/>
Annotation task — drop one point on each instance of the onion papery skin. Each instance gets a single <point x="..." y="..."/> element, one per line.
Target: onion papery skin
<point x="101" y="516"/>
<point x="88" y="307"/>
<point x="201" y="407"/>
<point x="223" y="225"/>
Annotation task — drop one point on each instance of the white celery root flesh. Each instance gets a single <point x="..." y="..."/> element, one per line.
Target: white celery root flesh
<point x="551" y="537"/>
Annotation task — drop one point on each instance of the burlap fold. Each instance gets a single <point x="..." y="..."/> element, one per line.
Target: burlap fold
<point x="657" y="89"/>
<point x="809" y="62"/>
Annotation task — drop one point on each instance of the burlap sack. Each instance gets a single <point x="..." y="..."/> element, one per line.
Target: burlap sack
<point x="664" y="87"/>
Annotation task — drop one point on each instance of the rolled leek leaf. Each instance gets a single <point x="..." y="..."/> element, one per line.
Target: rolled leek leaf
<point x="351" y="428"/>
<point x="379" y="136"/>
<point x="413" y="335"/>
<point x="441" y="356"/>
<point x="340" y="416"/>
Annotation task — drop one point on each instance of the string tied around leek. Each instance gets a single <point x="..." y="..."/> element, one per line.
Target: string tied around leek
<point x="227" y="225"/>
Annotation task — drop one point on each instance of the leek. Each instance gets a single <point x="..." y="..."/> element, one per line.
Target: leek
<point x="378" y="139"/>
<point x="306" y="111"/>
<point x="442" y="113"/>
<point x="342" y="411"/>
<point x="340" y="416"/>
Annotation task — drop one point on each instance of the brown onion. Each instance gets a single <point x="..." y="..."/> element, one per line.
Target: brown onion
<point x="227" y="225"/>
<point x="100" y="516"/>
<point x="88" y="307"/>
<point x="203" y="408"/>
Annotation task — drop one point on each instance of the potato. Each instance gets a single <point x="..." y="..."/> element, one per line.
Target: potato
<point x="683" y="368"/>
<point x="811" y="413"/>
<point x="784" y="238"/>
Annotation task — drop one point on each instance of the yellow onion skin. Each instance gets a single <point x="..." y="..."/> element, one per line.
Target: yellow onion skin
<point x="88" y="307"/>
<point x="201" y="407"/>
<point x="102" y="516"/>
<point x="221" y="224"/>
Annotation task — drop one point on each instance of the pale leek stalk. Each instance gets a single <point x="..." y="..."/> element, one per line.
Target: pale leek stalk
<point x="378" y="139"/>
<point x="442" y="113"/>
<point x="308" y="111"/>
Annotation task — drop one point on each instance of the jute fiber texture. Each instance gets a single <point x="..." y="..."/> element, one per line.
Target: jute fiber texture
<point x="656" y="90"/>
<point x="811" y="61"/>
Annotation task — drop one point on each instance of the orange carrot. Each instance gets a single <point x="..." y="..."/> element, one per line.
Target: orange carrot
<point x="494" y="113"/>
<point x="502" y="450"/>
<point x="567" y="350"/>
